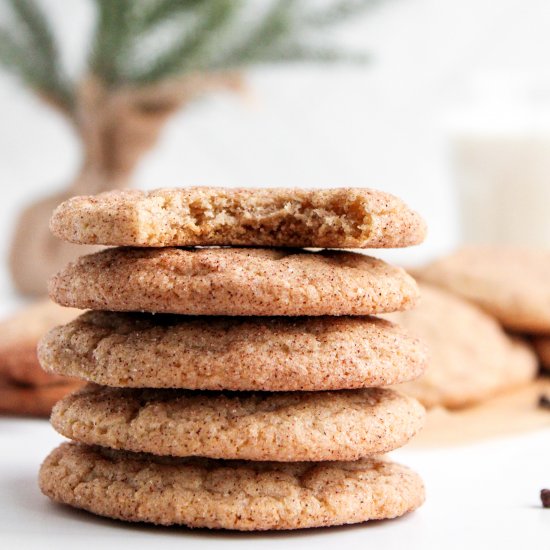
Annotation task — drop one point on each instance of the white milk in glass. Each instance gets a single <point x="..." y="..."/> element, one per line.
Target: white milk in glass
<point x="501" y="164"/>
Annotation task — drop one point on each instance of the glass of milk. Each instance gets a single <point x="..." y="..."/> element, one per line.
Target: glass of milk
<point x="500" y="149"/>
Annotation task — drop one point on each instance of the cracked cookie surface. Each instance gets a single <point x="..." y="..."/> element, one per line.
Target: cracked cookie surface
<point x="234" y="281"/>
<point x="232" y="353"/>
<point x="286" y="427"/>
<point x="245" y="496"/>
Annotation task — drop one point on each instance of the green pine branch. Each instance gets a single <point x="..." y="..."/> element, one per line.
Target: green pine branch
<point x="338" y="12"/>
<point x="296" y="52"/>
<point x="212" y="36"/>
<point x="151" y="13"/>
<point x="207" y="35"/>
<point x="30" y="51"/>
<point x="110" y="44"/>
<point x="191" y="52"/>
<point x="276" y="24"/>
<point x="278" y="37"/>
<point x="14" y="57"/>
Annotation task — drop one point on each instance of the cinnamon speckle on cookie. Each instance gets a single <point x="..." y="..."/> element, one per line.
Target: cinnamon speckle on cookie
<point x="234" y="281"/>
<point x="283" y="427"/>
<point x="206" y="216"/>
<point x="245" y="496"/>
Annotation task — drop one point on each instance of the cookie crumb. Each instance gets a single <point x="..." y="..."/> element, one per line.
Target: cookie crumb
<point x="544" y="403"/>
<point x="545" y="498"/>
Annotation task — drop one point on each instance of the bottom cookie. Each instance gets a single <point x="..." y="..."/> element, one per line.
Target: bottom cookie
<point x="216" y="494"/>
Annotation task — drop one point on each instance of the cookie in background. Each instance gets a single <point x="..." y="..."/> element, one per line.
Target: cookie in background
<point x="38" y="401"/>
<point x="26" y="389"/>
<point x="510" y="283"/>
<point x="541" y="344"/>
<point x="471" y="358"/>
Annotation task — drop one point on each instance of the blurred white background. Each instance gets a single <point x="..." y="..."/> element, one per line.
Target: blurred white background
<point x="384" y="125"/>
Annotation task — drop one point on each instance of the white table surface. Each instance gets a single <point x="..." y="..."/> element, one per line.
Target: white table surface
<point x="479" y="496"/>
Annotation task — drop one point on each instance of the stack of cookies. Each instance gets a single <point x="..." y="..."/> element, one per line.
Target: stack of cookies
<point x="236" y="388"/>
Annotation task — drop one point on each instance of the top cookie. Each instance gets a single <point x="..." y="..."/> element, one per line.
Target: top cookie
<point x="206" y="216"/>
<point x="510" y="283"/>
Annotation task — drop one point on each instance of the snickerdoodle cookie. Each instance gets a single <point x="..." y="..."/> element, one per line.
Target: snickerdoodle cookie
<point x="470" y="357"/>
<point x="246" y="496"/>
<point x="21" y="400"/>
<point x="283" y="427"/>
<point x="19" y="336"/>
<point x="243" y="353"/>
<point x="320" y="218"/>
<point x="510" y="283"/>
<point x="234" y="281"/>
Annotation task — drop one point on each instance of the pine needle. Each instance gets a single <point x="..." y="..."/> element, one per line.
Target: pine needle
<point x="310" y="53"/>
<point x="275" y="25"/>
<point x="152" y="13"/>
<point x="111" y="39"/>
<point x="193" y="50"/>
<point x="36" y="26"/>
<point x="14" y="58"/>
<point x="34" y="54"/>
<point x="208" y="35"/>
<point x="338" y="12"/>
